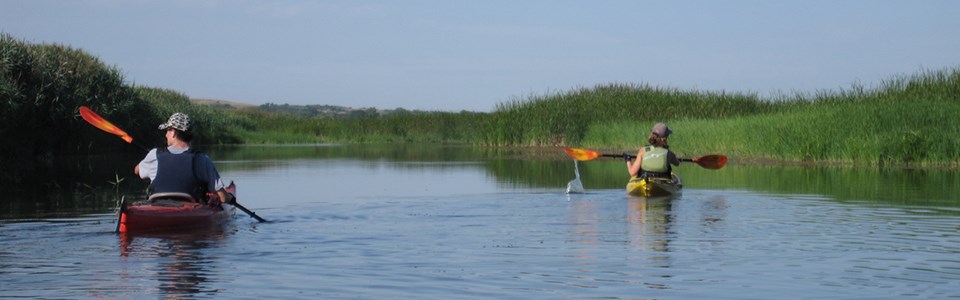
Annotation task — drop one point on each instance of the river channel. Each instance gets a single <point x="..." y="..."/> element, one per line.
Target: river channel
<point x="442" y="222"/>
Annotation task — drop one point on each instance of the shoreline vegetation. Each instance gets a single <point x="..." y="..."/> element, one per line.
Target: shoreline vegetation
<point x="908" y="120"/>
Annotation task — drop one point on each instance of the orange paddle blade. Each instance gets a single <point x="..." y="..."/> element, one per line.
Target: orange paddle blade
<point x="714" y="161"/>
<point x="99" y="122"/>
<point x="581" y="154"/>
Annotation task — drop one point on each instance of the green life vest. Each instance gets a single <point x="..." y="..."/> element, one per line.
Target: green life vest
<point x="655" y="160"/>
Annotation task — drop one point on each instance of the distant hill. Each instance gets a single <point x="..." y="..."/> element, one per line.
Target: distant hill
<point x="312" y="110"/>
<point x="221" y="103"/>
<point x="325" y="111"/>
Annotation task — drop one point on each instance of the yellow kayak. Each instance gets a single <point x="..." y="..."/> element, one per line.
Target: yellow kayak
<point x="654" y="187"/>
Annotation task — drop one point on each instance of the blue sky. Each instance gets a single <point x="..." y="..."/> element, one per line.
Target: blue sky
<point x="471" y="55"/>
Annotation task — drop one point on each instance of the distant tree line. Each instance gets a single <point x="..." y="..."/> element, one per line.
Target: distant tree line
<point x="330" y="111"/>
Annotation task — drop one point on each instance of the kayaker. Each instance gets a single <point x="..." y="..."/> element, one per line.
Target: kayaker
<point x="655" y="159"/>
<point x="178" y="168"/>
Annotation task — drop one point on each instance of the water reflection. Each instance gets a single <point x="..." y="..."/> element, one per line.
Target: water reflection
<point x="404" y="225"/>
<point x="184" y="266"/>
<point x="585" y="219"/>
<point x="649" y="221"/>
<point x="68" y="186"/>
<point x="644" y="253"/>
<point x="550" y="168"/>
<point x="82" y="185"/>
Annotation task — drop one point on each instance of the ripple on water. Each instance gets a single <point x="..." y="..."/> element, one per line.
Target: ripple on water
<point x="703" y="244"/>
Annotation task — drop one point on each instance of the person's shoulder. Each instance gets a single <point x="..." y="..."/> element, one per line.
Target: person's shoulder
<point x="204" y="157"/>
<point x="150" y="157"/>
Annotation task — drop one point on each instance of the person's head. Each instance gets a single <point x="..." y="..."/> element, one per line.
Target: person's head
<point x="659" y="134"/>
<point x="178" y="126"/>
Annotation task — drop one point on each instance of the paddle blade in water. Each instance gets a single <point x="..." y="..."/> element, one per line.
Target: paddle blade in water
<point x="715" y="161"/>
<point x="581" y="154"/>
<point x="99" y="122"/>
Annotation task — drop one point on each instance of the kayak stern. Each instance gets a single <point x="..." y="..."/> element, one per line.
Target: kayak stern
<point x="654" y="187"/>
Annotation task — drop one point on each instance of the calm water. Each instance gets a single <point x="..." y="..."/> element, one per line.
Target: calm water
<point x="442" y="222"/>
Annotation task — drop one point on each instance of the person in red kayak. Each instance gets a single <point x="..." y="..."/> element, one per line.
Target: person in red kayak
<point x="177" y="168"/>
<point x="656" y="159"/>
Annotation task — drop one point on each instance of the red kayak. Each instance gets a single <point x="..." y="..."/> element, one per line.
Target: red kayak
<point x="169" y="211"/>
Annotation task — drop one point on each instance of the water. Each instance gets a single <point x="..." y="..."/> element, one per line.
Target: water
<point x="575" y="186"/>
<point x="439" y="222"/>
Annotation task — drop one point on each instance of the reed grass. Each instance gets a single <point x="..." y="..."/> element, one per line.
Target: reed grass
<point x="565" y="118"/>
<point x="41" y="88"/>
<point x="908" y="120"/>
<point x="210" y="125"/>
<point x="433" y="127"/>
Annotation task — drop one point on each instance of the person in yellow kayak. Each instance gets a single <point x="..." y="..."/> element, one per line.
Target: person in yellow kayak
<point x="654" y="160"/>
<point x="177" y="168"/>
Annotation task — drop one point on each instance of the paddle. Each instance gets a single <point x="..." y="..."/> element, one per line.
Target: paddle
<point x="232" y="191"/>
<point x="101" y="123"/>
<point x="122" y="209"/>
<point x="244" y="209"/>
<point x="713" y="161"/>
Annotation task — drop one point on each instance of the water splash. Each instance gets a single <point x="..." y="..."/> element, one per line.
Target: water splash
<point x="575" y="186"/>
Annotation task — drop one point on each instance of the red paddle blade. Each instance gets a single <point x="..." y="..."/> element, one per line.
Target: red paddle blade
<point x="714" y="161"/>
<point x="99" y="122"/>
<point x="581" y="154"/>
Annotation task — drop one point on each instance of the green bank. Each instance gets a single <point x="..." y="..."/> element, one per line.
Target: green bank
<point x="905" y="120"/>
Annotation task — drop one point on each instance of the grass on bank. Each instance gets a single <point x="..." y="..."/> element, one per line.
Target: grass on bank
<point x="423" y="127"/>
<point x="908" y="120"/>
<point x="564" y="118"/>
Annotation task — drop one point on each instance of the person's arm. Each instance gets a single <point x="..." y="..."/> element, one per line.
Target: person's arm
<point x="672" y="158"/>
<point x="634" y="167"/>
<point x="214" y="184"/>
<point x="147" y="168"/>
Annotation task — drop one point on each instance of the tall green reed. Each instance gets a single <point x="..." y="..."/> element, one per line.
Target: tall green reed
<point x="41" y="88"/>
<point x="210" y="125"/>
<point x="565" y="118"/>
<point x="907" y="120"/>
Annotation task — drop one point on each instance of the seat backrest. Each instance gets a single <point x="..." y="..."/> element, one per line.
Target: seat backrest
<point x="173" y="196"/>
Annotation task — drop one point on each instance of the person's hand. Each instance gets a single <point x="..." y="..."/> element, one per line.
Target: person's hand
<point x="224" y="197"/>
<point x="626" y="157"/>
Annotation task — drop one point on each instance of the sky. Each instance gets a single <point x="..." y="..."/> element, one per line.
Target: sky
<point x="453" y="55"/>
